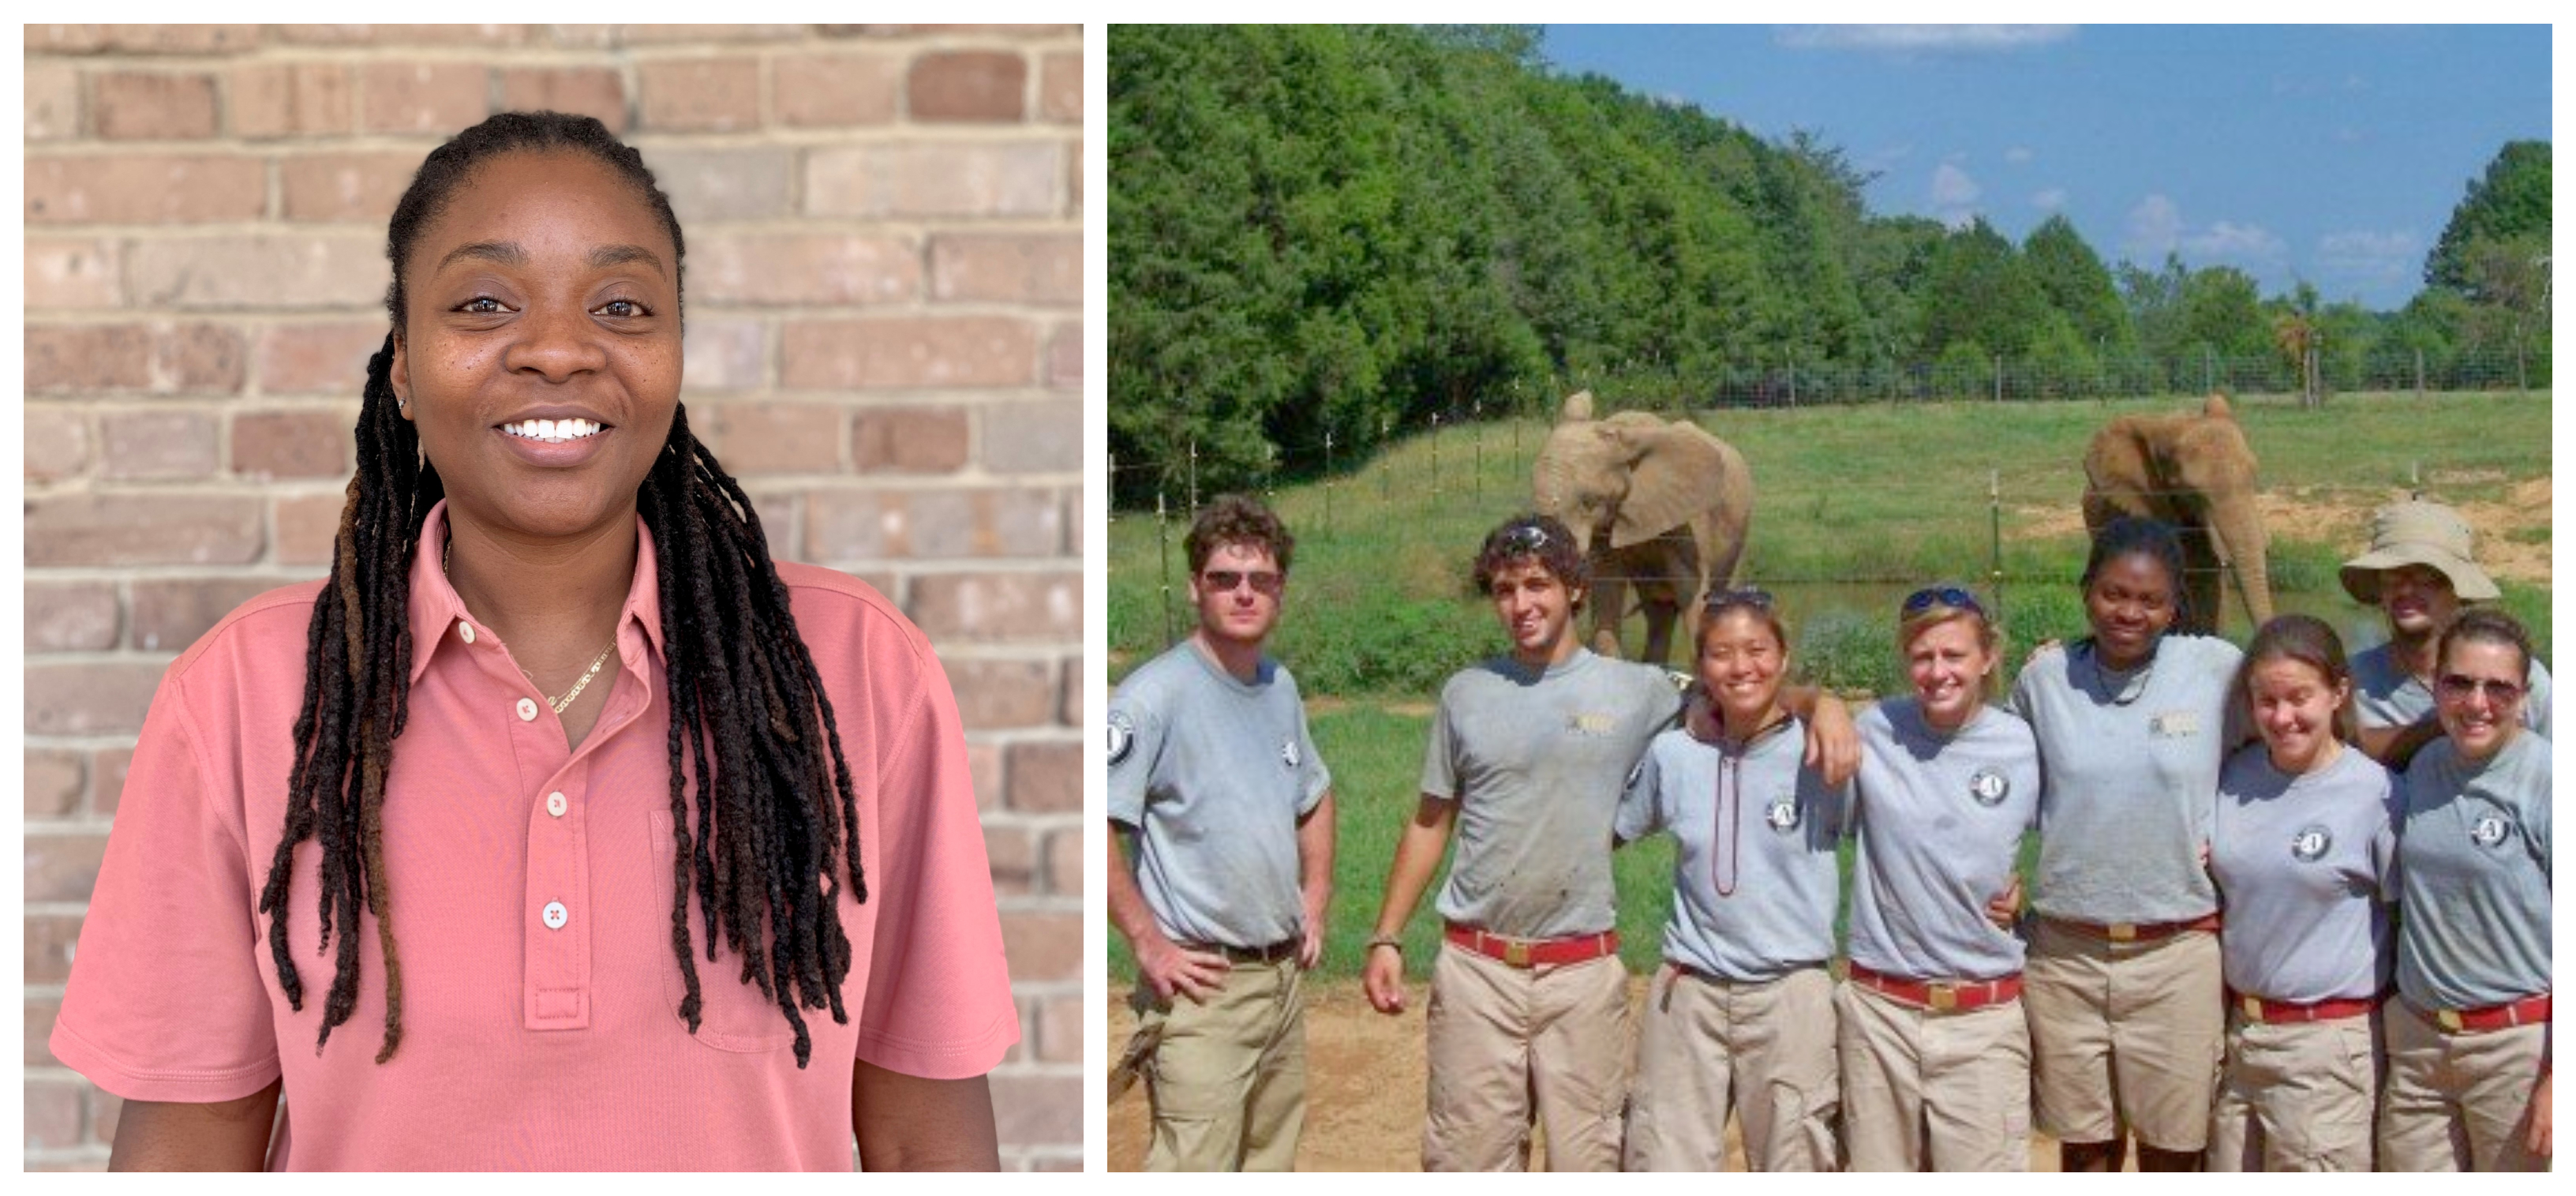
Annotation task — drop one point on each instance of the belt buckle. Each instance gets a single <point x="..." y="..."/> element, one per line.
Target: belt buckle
<point x="2449" y="1019"/>
<point x="2122" y="932"/>
<point x="1944" y="997"/>
<point x="1516" y="953"/>
<point x="2253" y="1006"/>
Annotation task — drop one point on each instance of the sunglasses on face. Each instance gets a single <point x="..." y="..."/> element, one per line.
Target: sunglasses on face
<point x="1527" y="538"/>
<point x="1951" y="596"/>
<point x="1748" y="596"/>
<point x="1224" y="581"/>
<point x="2458" y="688"/>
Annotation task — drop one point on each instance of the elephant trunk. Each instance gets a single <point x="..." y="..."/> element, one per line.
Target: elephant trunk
<point x="2236" y="530"/>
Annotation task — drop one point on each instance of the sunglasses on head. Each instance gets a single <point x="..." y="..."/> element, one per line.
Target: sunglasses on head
<point x="1224" y="581"/>
<point x="1528" y="537"/>
<point x="2458" y="688"/>
<point x="1951" y="596"/>
<point x="1747" y="596"/>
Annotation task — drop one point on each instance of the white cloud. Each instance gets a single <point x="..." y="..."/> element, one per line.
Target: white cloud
<point x="2230" y="241"/>
<point x="2156" y="227"/>
<point x="1954" y="194"/>
<point x="2049" y="199"/>
<point x="2019" y="155"/>
<point x="1920" y="39"/>
<point x="2369" y="258"/>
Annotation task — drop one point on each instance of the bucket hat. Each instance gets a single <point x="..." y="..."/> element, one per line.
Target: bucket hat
<point x="2416" y="532"/>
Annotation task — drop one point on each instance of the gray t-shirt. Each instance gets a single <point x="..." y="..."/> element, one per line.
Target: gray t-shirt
<point x="2306" y="863"/>
<point x="1536" y="761"/>
<point x="1754" y="882"/>
<point x="2130" y="762"/>
<point x="2386" y="695"/>
<point x="1938" y="822"/>
<point x="2473" y="871"/>
<point x="1214" y="774"/>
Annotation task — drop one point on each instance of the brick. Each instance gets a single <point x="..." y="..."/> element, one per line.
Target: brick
<point x="994" y="606"/>
<point x="853" y="525"/>
<point x="910" y="352"/>
<point x="723" y="355"/>
<point x="73" y="272"/>
<point x="54" y="782"/>
<point x="586" y="90"/>
<point x="777" y="437"/>
<point x="306" y="527"/>
<point x="1064" y="358"/>
<point x="1012" y="855"/>
<point x="316" y="358"/>
<point x="404" y="35"/>
<point x="107" y="768"/>
<point x="100" y="698"/>
<point x="1073" y="522"/>
<point x="1024" y="268"/>
<point x="293" y="444"/>
<point x="1033" y="1109"/>
<point x="995" y="695"/>
<point x="58" y="442"/>
<point x="1059" y="1026"/>
<point x="1038" y="946"/>
<point x="837" y="90"/>
<point x="53" y="1110"/>
<point x="262" y="270"/>
<point x="62" y="867"/>
<point x="699" y="94"/>
<point x="723" y="184"/>
<point x="145" y="189"/>
<point x="988" y="31"/>
<point x="656" y="35"/>
<point x="156" y="444"/>
<point x="777" y="512"/>
<point x="1060" y="88"/>
<point x="984" y="764"/>
<point x="1065" y="856"/>
<point x="422" y="97"/>
<point x="1009" y="178"/>
<point x="868" y="524"/>
<point x="805" y="268"/>
<point x="152" y="106"/>
<point x="144" y="529"/>
<point x="1040" y="437"/>
<point x="292" y="99"/>
<point x="49" y="947"/>
<point x="161" y="358"/>
<point x="1046" y="778"/>
<point x="40" y="1018"/>
<point x="1073" y="179"/>
<point x="104" y="1109"/>
<point x="70" y="616"/>
<point x="1070" y="713"/>
<point x="64" y="39"/>
<point x="169" y="615"/>
<point x="967" y="85"/>
<point x="53" y="102"/>
<point x="183" y="39"/>
<point x="358" y="187"/>
<point x="908" y="440"/>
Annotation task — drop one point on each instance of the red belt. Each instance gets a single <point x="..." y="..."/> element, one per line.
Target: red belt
<point x="1942" y="996"/>
<point x="2271" y="1012"/>
<point x="2139" y="932"/>
<point x="2528" y="1011"/>
<point x="1529" y="953"/>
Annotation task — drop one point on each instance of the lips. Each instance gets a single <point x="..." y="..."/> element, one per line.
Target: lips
<point x="555" y="437"/>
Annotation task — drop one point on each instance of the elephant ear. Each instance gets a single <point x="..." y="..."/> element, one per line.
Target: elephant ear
<point x="1679" y="473"/>
<point x="1578" y="408"/>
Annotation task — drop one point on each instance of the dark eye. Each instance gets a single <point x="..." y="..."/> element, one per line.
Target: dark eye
<point x="476" y="306"/>
<point x="622" y="309"/>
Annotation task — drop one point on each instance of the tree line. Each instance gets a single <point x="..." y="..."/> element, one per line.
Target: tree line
<point x="1331" y="231"/>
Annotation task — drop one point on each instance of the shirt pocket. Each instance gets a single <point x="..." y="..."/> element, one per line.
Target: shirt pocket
<point x="732" y="1015"/>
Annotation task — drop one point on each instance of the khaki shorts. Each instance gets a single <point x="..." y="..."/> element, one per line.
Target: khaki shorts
<point x="1507" y="1045"/>
<point x="1227" y="1078"/>
<point x="2125" y="1036"/>
<point x="1926" y="1091"/>
<point x="2297" y="1096"/>
<point x="1764" y="1050"/>
<point x="2458" y="1102"/>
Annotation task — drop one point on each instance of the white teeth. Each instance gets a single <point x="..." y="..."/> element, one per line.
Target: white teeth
<point x="552" y="430"/>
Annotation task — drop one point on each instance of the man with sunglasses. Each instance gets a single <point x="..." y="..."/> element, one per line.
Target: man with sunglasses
<point x="2420" y="574"/>
<point x="1213" y="776"/>
<point x="1529" y="753"/>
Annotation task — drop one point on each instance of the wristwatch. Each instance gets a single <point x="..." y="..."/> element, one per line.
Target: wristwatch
<point x="1387" y="940"/>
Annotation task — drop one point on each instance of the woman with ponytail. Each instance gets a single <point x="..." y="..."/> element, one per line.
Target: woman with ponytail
<point x="559" y="827"/>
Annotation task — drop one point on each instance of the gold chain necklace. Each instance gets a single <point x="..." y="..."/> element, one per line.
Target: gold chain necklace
<point x="558" y="704"/>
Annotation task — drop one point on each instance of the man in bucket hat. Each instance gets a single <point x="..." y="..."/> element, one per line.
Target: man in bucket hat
<point x="2419" y="572"/>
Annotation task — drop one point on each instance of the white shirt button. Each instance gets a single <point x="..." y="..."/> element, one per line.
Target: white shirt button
<point x="555" y="916"/>
<point x="555" y="804"/>
<point x="465" y="631"/>
<point x="527" y="710"/>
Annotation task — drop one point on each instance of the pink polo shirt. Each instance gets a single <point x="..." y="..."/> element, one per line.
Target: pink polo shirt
<point x="531" y="897"/>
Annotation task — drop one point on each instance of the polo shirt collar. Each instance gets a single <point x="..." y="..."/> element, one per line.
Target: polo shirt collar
<point x="435" y="608"/>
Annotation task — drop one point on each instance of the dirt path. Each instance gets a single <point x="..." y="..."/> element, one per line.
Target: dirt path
<point x="2511" y="534"/>
<point x="1363" y="1089"/>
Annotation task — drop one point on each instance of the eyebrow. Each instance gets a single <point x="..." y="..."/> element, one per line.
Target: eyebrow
<point x="510" y="253"/>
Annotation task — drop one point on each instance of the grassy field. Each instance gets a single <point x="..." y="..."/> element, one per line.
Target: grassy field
<point x="1379" y="610"/>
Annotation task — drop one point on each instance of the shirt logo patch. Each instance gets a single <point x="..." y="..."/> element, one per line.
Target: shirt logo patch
<point x="1782" y="814"/>
<point x="2310" y="843"/>
<point x="1591" y="724"/>
<point x="1288" y="753"/>
<point x="2490" y="830"/>
<point x="2175" y="724"/>
<point x="1989" y="787"/>
<point x="1121" y="736"/>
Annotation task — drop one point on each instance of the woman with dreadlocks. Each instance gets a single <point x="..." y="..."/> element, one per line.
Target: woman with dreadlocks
<point x="641" y="850"/>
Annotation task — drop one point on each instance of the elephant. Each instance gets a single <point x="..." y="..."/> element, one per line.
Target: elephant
<point x="2196" y="472"/>
<point x="1662" y="506"/>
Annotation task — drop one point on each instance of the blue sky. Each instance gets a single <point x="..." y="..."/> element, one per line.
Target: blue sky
<point x="2330" y="154"/>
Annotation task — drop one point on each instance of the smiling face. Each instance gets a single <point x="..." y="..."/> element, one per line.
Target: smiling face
<point x="1238" y="593"/>
<point x="2419" y="600"/>
<point x="2129" y="604"/>
<point x="2478" y="694"/>
<point x="1741" y="662"/>
<point x="2294" y="707"/>
<point x="539" y="353"/>
<point x="1535" y="609"/>
<point x="1948" y="662"/>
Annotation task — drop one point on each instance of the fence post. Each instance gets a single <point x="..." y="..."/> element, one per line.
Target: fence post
<point x="1435" y="458"/>
<point x="1476" y="478"/>
<point x="1194" y="477"/>
<point x="1385" y="454"/>
<point x="2208" y="369"/>
<point x="1328" y="481"/>
<point x="1995" y="540"/>
<point x="2419" y="373"/>
<point x="1999" y="377"/>
<point x="1163" y="548"/>
<point x="1793" y="379"/>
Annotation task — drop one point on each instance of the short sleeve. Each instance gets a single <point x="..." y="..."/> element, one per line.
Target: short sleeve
<point x="2535" y="710"/>
<point x="939" y="992"/>
<point x="1639" y="813"/>
<point x="2235" y="720"/>
<point x="166" y="1001"/>
<point x="2383" y="838"/>
<point x="1439" y="768"/>
<point x="1315" y="779"/>
<point x="1135" y="742"/>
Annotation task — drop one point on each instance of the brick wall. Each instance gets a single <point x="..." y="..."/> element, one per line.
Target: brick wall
<point x="884" y="343"/>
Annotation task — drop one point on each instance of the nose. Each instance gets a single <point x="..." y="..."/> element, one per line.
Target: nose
<point x="556" y="345"/>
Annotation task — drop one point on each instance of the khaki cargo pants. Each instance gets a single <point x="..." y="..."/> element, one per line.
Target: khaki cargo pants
<point x="1934" y="1091"/>
<point x="2125" y="1035"/>
<point x="1508" y="1044"/>
<point x="1762" y="1049"/>
<point x="1227" y="1078"/>
<point x="2297" y="1096"/>
<point x="2458" y="1102"/>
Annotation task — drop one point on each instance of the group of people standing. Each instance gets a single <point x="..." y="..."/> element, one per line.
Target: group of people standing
<point x="2239" y="852"/>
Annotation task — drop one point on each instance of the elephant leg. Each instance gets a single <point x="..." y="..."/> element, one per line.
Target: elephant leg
<point x="1661" y="613"/>
<point x="1609" y="603"/>
<point x="2201" y="582"/>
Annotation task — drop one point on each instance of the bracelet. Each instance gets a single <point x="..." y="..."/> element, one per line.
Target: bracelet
<point x="1386" y="940"/>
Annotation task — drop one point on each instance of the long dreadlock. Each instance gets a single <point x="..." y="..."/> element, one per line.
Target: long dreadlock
<point x="747" y="705"/>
